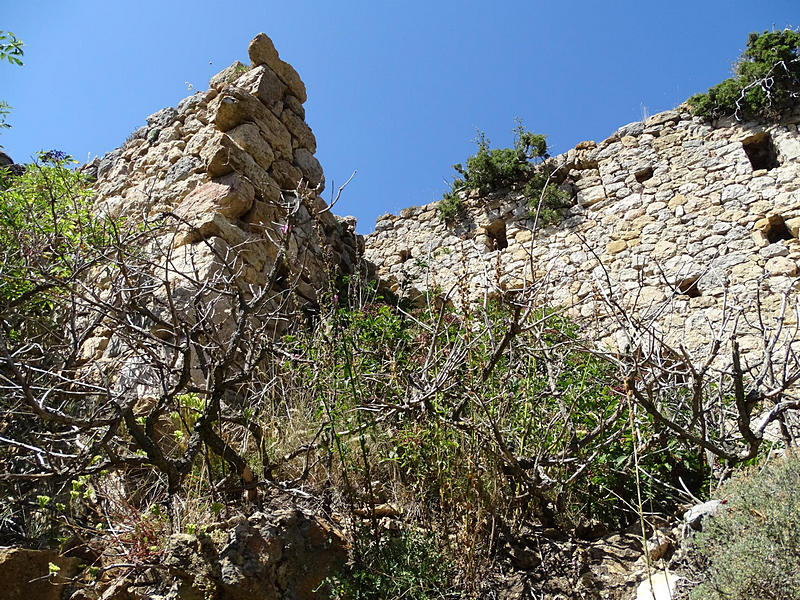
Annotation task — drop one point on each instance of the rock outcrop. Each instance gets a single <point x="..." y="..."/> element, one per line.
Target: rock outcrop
<point x="286" y="552"/>
<point x="677" y="220"/>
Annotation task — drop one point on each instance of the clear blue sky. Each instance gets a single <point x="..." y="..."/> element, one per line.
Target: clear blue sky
<point x="396" y="89"/>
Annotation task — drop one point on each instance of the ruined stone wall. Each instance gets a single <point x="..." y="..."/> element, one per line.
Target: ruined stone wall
<point x="227" y="163"/>
<point x="678" y="220"/>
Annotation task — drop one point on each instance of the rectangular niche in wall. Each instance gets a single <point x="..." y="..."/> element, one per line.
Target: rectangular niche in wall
<point x="761" y="151"/>
<point x="776" y="230"/>
<point x="496" y="236"/>
<point x="688" y="287"/>
<point x="643" y="175"/>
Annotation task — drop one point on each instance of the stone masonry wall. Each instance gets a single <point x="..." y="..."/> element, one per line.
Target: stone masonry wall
<point x="228" y="163"/>
<point x="686" y="220"/>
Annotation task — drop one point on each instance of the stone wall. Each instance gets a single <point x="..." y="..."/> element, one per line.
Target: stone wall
<point x="230" y="164"/>
<point x="678" y="220"/>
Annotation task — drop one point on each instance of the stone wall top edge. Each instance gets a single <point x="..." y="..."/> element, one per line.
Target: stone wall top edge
<point x="678" y="117"/>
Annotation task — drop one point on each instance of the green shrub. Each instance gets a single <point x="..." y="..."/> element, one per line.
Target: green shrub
<point x="408" y="565"/>
<point x="752" y="546"/>
<point x="48" y="235"/>
<point x="451" y="206"/>
<point x="491" y="169"/>
<point x="10" y="50"/>
<point x="544" y="197"/>
<point x="766" y="80"/>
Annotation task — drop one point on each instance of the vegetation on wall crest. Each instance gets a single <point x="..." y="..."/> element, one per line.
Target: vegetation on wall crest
<point x="765" y="82"/>
<point x="491" y="169"/>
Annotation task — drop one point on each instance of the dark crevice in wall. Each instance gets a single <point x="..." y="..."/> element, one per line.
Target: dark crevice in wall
<point x="496" y="234"/>
<point x="776" y="230"/>
<point x="761" y="151"/>
<point x="643" y="175"/>
<point x="688" y="287"/>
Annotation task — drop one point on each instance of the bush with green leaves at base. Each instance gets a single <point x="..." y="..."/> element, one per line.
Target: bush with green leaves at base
<point x="451" y="206"/>
<point x="752" y="546"/>
<point x="766" y="80"/>
<point x="405" y="565"/>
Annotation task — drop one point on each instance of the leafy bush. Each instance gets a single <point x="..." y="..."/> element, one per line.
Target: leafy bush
<point x="408" y="565"/>
<point x="766" y="80"/>
<point x="753" y="545"/>
<point x="493" y="168"/>
<point x="48" y="235"/>
<point x="10" y="50"/>
<point x="545" y="199"/>
<point x="451" y="206"/>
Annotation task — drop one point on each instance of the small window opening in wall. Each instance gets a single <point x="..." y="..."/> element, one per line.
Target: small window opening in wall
<point x="688" y="287"/>
<point x="761" y="151"/>
<point x="405" y="255"/>
<point x="776" y="230"/>
<point x="643" y="175"/>
<point x="496" y="236"/>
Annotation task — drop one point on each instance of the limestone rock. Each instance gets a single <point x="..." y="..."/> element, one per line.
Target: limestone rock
<point x="235" y="106"/>
<point x="695" y="516"/>
<point x="222" y="156"/>
<point x="781" y="265"/>
<point x="182" y="168"/>
<point x="163" y="118"/>
<point x="264" y="84"/>
<point x="286" y="174"/>
<point x="262" y="52"/>
<point x="661" y="585"/>
<point x="26" y="574"/>
<point x="231" y="196"/>
<point x="207" y="210"/>
<point x="301" y="133"/>
<point x="227" y="75"/>
<point x="285" y="553"/>
<point x="248" y="137"/>
<point x="309" y="167"/>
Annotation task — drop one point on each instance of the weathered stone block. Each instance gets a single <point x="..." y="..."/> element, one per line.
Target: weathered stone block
<point x="236" y="106"/>
<point x="310" y="167"/>
<point x="302" y="135"/>
<point x="264" y="84"/>
<point x="248" y="137"/>
<point x="263" y="52"/>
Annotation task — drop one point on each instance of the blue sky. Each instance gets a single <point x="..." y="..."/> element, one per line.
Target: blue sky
<point x="396" y="89"/>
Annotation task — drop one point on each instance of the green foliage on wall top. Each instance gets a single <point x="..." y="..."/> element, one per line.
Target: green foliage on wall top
<point x="765" y="82"/>
<point x="491" y="169"/>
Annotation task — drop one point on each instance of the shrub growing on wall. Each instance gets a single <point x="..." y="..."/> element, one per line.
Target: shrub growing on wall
<point x="766" y="80"/>
<point x="490" y="169"/>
